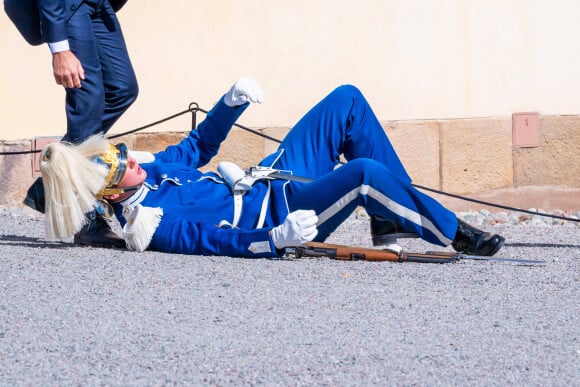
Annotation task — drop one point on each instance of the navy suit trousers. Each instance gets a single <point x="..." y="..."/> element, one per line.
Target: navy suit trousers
<point x="110" y="85"/>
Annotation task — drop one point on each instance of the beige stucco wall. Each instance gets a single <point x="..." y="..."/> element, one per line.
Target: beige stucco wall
<point x="444" y="78"/>
<point x="413" y="59"/>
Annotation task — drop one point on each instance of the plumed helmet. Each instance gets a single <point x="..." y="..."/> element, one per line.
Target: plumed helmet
<point x="115" y="159"/>
<point x="75" y="178"/>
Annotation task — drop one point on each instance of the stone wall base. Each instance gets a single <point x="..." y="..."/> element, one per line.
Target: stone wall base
<point x="479" y="158"/>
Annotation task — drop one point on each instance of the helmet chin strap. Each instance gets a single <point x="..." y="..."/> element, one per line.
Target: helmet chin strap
<point x="105" y="207"/>
<point x="116" y="190"/>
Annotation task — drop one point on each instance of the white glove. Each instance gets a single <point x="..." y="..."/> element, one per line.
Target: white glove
<point x="298" y="228"/>
<point x="244" y="90"/>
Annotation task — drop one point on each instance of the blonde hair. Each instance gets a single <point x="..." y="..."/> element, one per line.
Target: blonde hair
<point x="71" y="182"/>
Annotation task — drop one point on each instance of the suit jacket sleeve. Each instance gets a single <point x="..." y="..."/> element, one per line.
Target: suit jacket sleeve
<point x="53" y="19"/>
<point x="43" y="21"/>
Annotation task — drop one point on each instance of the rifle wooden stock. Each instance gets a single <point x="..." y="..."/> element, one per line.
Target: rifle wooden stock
<point x="348" y="253"/>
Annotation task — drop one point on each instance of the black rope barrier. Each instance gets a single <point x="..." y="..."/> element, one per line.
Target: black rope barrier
<point x="194" y="108"/>
<point x="495" y="205"/>
<point x="19" y="152"/>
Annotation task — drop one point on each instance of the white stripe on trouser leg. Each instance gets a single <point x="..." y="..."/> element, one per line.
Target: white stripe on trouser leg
<point x="393" y="206"/>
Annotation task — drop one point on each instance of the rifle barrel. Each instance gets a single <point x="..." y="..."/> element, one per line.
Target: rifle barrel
<point x="427" y="258"/>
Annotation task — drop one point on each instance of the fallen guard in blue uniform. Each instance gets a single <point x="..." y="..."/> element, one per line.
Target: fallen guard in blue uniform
<point x="165" y="203"/>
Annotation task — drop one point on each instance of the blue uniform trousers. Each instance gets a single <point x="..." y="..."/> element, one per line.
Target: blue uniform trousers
<point x="373" y="177"/>
<point x="194" y="204"/>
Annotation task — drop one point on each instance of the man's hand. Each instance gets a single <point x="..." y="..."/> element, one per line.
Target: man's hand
<point x="244" y="90"/>
<point x="68" y="70"/>
<point x="298" y="228"/>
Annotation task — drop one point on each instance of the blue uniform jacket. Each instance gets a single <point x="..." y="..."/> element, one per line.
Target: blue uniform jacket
<point x="194" y="203"/>
<point x="44" y="21"/>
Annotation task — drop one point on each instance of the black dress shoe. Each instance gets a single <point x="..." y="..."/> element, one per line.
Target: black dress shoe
<point x="35" y="196"/>
<point x="98" y="233"/>
<point x="386" y="232"/>
<point x="471" y="240"/>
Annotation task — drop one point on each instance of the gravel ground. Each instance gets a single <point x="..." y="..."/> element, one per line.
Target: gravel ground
<point x="73" y="315"/>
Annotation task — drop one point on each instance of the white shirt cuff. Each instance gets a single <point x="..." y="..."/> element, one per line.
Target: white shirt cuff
<point x="59" y="46"/>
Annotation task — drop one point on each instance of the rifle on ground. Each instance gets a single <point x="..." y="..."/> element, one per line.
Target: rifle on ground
<point x="349" y="253"/>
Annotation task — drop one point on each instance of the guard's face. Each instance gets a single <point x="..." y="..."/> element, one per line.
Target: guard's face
<point x="134" y="175"/>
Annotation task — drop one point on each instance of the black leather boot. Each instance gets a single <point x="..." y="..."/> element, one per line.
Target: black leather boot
<point x="35" y="196"/>
<point x="386" y="232"/>
<point x="473" y="241"/>
<point x="98" y="233"/>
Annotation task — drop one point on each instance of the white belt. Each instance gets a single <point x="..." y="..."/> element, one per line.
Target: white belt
<point x="240" y="182"/>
